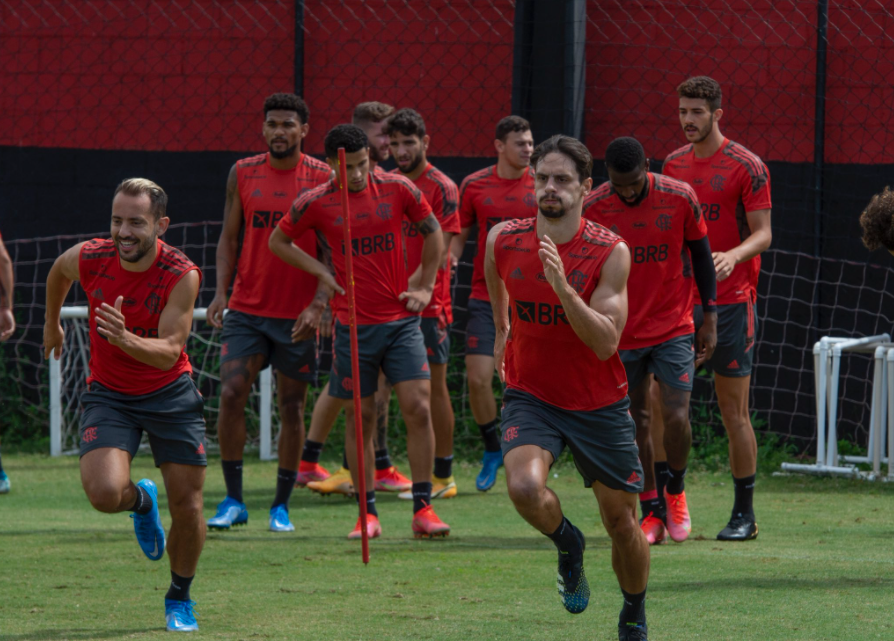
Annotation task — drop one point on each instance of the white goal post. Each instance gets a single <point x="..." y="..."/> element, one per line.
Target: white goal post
<point x="76" y="351"/>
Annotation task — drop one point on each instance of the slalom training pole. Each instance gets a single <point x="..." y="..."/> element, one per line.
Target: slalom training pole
<point x="355" y="360"/>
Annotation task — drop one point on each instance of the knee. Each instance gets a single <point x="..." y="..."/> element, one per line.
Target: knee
<point x="233" y="394"/>
<point x="417" y="412"/>
<point x="480" y="381"/>
<point x="735" y="417"/>
<point x="525" y="491"/>
<point x="676" y="418"/>
<point x="621" y="525"/>
<point x="104" y="497"/>
<point x="291" y="410"/>
<point x="187" y="505"/>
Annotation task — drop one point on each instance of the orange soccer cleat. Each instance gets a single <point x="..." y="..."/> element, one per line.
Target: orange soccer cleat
<point x="426" y="524"/>
<point x="678" y="523"/>
<point x="310" y="472"/>
<point x="391" y="480"/>
<point x="654" y="529"/>
<point x="373" y="529"/>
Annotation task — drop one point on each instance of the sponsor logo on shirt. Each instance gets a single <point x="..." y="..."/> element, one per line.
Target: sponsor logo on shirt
<point x="517" y="274"/>
<point x="257" y="194"/>
<point x="540" y="313"/>
<point x="663" y="222"/>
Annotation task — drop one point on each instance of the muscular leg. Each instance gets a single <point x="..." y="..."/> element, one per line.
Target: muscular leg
<point x="236" y="377"/>
<point x="442" y="417"/>
<point x="290" y="396"/>
<point x="527" y="468"/>
<point x="677" y="439"/>
<point x="368" y="416"/>
<point x="732" y="397"/>
<point x="325" y="414"/>
<point x="383" y="402"/>
<point x="480" y="372"/>
<point x="187" y="536"/>
<point x="414" y="398"/>
<point x="105" y="475"/>
<point x="657" y="424"/>
<point x="640" y="410"/>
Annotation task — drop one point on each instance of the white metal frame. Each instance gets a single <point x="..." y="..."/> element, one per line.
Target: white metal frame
<point x="199" y="314"/>
<point x="827" y="353"/>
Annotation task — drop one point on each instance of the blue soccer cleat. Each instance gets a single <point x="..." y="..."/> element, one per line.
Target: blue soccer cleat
<point x="180" y="616"/>
<point x="230" y="512"/>
<point x="572" y="582"/>
<point x="279" y="519"/>
<point x="4" y="483"/>
<point x="490" y="463"/>
<point x="148" y="527"/>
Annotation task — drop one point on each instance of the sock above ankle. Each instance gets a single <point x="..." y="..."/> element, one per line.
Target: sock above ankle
<point x="421" y="496"/>
<point x="370" y="502"/>
<point x="634" y="610"/>
<point x="443" y="467"/>
<point x="565" y="537"/>
<point x="660" y="477"/>
<point x="143" y="502"/>
<point x="232" y="471"/>
<point x="344" y="460"/>
<point x="675" y="480"/>
<point x="311" y="452"/>
<point x="490" y="436"/>
<point x="285" y="482"/>
<point x="744" y="502"/>
<point x="179" y="590"/>
<point x="383" y="459"/>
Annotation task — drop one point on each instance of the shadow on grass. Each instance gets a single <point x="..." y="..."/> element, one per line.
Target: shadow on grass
<point x="779" y="583"/>
<point x="75" y="633"/>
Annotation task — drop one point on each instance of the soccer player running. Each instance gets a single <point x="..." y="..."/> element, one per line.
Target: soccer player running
<point x="733" y="187"/>
<point x="877" y="222"/>
<point x="409" y="143"/>
<point x="372" y="118"/>
<point x="7" y="325"/>
<point x="660" y="219"/>
<point x="501" y="192"/>
<point x="261" y="327"/>
<point x="387" y="309"/>
<point x="141" y="293"/>
<point x="565" y="281"/>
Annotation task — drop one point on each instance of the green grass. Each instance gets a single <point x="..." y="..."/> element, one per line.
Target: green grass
<point x="823" y="567"/>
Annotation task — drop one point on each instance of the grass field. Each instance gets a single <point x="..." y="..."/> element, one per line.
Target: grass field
<point x="823" y="567"/>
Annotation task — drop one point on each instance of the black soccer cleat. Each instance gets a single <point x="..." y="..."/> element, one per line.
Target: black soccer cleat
<point x="741" y="527"/>
<point x="572" y="582"/>
<point x="632" y="632"/>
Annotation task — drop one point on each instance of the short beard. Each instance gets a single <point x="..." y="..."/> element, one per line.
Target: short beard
<point x="375" y="156"/>
<point x="554" y="214"/>
<point x="142" y="249"/>
<point x="704" y="136"/>
<point x="636" y="202"/>
<point x="280" y="155"/>
<point x="413" y="165"/>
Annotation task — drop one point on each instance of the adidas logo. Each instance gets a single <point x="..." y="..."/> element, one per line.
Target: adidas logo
<point x="304" y="370"/>
<point x="425" y="367"/>
<point x="429" y="351"/>
<point x="733" y="365"/>
<point x="685" y="377"/>
<point x="257" y="194"/>
<point x="517" y="274"/>
<point x="633" y="478"/>
<point x="98" y="294"/>
<point x="488" y="201"/>
<point x="201" y="449"/>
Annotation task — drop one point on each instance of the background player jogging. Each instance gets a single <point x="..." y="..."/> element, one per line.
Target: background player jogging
<point x="141" y="293"/>
<point x="565" y="281"/>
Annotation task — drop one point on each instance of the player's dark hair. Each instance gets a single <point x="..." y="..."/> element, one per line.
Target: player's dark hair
<point x="351" y="137"/>
<point x="406" y="122"/>
<point x="509" y="124"/>
<point x="569" y="147"/>
<point x="625" y="155"/>
<point x="287" y="102"/>
<point x="367" y="112"/>
<point x="702" y="87"/>
<point x="877" y="221"/>
<point x="158" y="199"/>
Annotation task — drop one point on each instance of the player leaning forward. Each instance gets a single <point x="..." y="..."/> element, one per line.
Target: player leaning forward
<point x="565" y="280"/>
<point x="141" y="293"/>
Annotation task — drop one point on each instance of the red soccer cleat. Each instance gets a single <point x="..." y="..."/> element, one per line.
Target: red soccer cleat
<point x="654" y="529"/>
<point x="426" y="524"/>
<point x="310" y="472"/>
<point x="391" y="480"/>
<point x="373" y="529"/>
<point x="678" y="523"/>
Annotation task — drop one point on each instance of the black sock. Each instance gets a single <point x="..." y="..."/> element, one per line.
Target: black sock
<point x="421" y="496"/>
<point x="344" y="460"/>
<point x="634" y="610"/>
<point x="179" y="590"/>
<point x="311" y="452"/>
<point x="675" y="480"/>
<point x="1" y="465"/>
<point x="370" y="502"/>
<point x="661" y="478"/>
<point x="143" y="502"/>
<point x="744" y="504"/>
<point x="565" y="538"/>
<point x="232" y="471"/>
<point x="656" y="507"/>
<point x="285" y="481"/>
<point x="444" y="467"/>
<point x="383" y="460"/>
<point x="490" y="436"/>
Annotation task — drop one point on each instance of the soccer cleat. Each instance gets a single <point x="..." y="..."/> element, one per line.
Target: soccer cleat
<point x="148" y="528"/>
<point x="632" y="632"/>
<point x="4" y="483"/>
<point x="572" y="582"/>
<point x="440" y="489"/>
<point x="741" y="527"/>
<point x="654" y="529"/>
<point x="338" y="483"/>
<point x="180" y="616"/>
<point x="490" y="463"/>
<point x="678" y="523"/>
<point x="373" y="529"/>
<point x="391" y="480"/>
<point x="279" y="519"/>
<point x="229" y="512"/>
<point x="310" y="472"/>
<point x="427" y="525"/>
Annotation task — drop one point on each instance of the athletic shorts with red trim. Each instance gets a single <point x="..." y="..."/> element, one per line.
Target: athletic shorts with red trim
<point x="672" y="362"/>
<point x="736" y="332"/>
